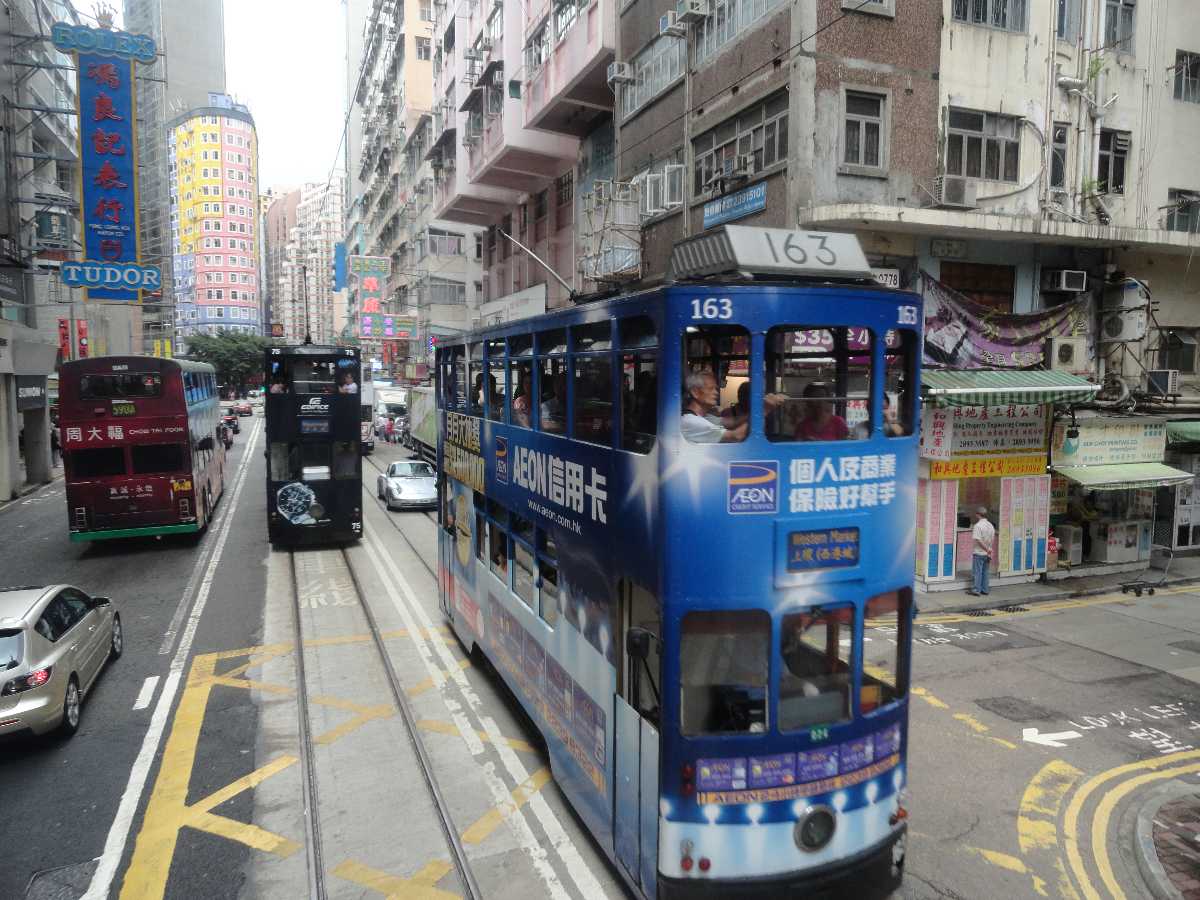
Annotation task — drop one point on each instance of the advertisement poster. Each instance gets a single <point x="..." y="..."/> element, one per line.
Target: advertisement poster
<point x="1109" y="441"/>
<point x="1017" y="429"/>
<point x="962" y="334"/>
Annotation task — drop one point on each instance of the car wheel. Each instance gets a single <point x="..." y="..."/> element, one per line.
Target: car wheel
<point x="71" y="706"/>
<point x="117" y="647"/>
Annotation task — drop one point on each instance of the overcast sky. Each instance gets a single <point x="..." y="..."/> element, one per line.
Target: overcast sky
<point x="285" y="59"/>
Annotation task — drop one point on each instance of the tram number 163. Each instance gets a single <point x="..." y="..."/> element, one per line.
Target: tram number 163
<point x="712" y="308"/>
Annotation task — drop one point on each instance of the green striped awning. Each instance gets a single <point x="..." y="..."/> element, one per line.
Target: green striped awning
<point x="1187" y="432"/>
<point x="1002" y="387"/>
<point x="1119" y="476"/>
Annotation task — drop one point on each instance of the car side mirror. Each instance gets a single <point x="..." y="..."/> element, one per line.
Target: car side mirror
<point x="101" y="601"/>
<point x="637" y="643"/>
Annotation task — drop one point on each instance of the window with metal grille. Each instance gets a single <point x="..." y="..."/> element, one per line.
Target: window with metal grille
<point x="1118" y="24"/>
<point x="1187" y="76"/>
<point x="1005" y="14"/>
<point x="1184" y="213"/>
<point x="864" y="131"/>
<point x="1114" y="154"/>
<point x="982" y="145"/>
<point x="760" y="132"/>
<point x="1058" y="155"/>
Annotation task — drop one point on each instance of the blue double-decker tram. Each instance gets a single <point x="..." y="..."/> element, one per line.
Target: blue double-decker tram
<point x="681" y="525"/>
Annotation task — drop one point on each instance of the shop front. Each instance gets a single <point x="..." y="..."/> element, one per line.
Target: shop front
<point x="984" y="443"/>
<point x="1177" y="524"/>
<point x="1107" y="470"/>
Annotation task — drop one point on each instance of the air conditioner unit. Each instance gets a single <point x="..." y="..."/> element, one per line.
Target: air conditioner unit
<point x="1126" y="294"/>
<point x="1064" y="280"/>
<point x="744" y="165"/>
<point x="1068" y="354"/>
<point x="620" y="73"/>
<point x="690" y="11"/>
<point x="1123" y="326"/>
<point x="1163" y="382"/>
<point x="669" y="24"/>
<point x="954" y="192"/>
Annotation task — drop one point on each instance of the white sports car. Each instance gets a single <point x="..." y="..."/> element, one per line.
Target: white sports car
<point x="408" y="485"/>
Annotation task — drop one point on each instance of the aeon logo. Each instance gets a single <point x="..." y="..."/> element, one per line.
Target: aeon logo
<point x="753" y="487"/>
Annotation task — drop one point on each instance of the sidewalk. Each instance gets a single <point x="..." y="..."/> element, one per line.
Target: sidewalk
<point x="1184" y="570"/>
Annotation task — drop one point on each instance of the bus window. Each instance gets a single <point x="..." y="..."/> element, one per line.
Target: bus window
<point x="496" y="385"/>
<point x="814" y="685"/>
<point x="97" y="462"/>
<point x="521" y="378"/>
<point x="548" y="583"/>
<point x="593" y="398"/>
<point x="157" y="459"/>
<point x="900" y="364"/>
<point x="120" y="384"/>
<point x="552" y="411"/>
<point x="473" y="376"/>
<point x="723" y="671"/>
<point x="885" y="658"/>
<point x="716" y="362"/>
<point x="822" y="379"/>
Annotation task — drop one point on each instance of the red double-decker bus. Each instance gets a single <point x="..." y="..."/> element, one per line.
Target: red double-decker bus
<point x="141" y="446"/>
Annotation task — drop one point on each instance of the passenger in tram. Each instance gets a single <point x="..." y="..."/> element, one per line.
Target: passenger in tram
<point x="520" y="407"/>
<point x="820" y="422"/>
<point x="737" y="413"/>
<point x="348" y="385"/>
<point x="699" y="423"/>
<point x="278" y="386"/>
<point x="893" y="426"/>
<point x="553" y="407"/>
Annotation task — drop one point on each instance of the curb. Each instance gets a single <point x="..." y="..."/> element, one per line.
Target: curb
<point x="28" y="489"/>
<point x="1047" y="598"/>
<point x="1147" y="857"/>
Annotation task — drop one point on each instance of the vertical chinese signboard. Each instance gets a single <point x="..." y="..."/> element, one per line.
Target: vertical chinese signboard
<point x="372" y="272"/>
<point x="111" y="245"/>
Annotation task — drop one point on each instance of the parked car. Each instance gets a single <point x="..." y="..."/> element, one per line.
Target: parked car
<point x="243" y="408"/>
<point x="54" y="642"/>
<point x="231" y="421"/>
<point x="408" y="485"/>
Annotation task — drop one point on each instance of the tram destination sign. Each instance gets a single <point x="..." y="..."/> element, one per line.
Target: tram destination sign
<point x="822" y="548"/>
<point x="771" y="251"/>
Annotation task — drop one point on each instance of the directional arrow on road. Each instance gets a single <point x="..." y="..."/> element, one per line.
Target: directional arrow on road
<point x="1048" y="740"/>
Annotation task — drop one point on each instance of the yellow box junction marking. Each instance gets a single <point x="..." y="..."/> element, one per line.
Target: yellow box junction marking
<point x="421" y="886"/>
<point x="491" y="819"/>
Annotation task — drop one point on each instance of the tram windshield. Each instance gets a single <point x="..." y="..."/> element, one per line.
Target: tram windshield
<point x="723" y="659"/>
<point x="309" y="375"/>
<point x="814" y="685"/>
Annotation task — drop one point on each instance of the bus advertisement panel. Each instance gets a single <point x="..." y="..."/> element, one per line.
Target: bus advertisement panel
<point x="141" y="449"/>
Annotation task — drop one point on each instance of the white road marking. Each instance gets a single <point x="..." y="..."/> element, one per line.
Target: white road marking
<point x="118" y="833"/>
<point x="1048" y="740"/>
<point x="568" y="853"/>
<point x="146" y="693"/>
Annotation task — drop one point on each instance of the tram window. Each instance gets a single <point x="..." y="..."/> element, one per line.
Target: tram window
<point x="551" y="342"/>
<point x="596" y="336"/>
<point x="552" y="411"/>
<point x="546" y="545"/>
<point x="346" y="460"/>
<point x="885" y="676"/>
<point x="523" y="572"/>
<point x="716" y="361"/>
<point x="311" y="376"/>
<point x="496" y="384"/>
<point x="97" y="462"/>
<point x="548" y="581"/>
<point x="814" y="684"/>
<point x="520" y="345"/>
<point x="481" y="538"/>
<point x="900" y="364"/>
<point x="522" y="528"/>
<point x="593" y="399"/>
<point x="498" y="551"/>
<point x="639" y="402"/>
<point x="821" y="378"/>
<point x="472" y="379"/>
<point x="637" y="332"/>
<point x="723" y="671"/>
<point x="521" y="378"/>
<point x="279" y="463"/>
<point x="156" y="459"/>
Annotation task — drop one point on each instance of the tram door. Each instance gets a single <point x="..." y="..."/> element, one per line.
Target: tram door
<point x="637" y="704"/>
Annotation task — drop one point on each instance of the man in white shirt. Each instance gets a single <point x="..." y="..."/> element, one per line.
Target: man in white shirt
<point x="983" y="539"/>
<point x="699" y="422"/>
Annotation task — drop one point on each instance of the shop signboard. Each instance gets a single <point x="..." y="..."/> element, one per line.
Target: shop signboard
<point x="1108" y="441"/>
<point x="1059" y="490"/>
<point x="31" y="392"/>
<point x="735" y="206"/>
<point x="987" y="467"/>
<point x="1017" y="430"/>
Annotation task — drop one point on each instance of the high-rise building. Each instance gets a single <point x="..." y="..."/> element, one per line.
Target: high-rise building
<point x="191" y="36"/>
<point x="303" y="228"/>
<point x="213" y="161"/>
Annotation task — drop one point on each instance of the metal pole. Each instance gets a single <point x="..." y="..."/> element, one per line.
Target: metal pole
<point x="544" y="264"/>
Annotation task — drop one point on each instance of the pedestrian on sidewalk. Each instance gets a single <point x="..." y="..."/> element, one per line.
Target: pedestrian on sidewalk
<point x="983" y="538"/>
<point x="55" y="447"/>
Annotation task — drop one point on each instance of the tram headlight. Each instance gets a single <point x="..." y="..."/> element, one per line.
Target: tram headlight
<point x="815" y="828"/>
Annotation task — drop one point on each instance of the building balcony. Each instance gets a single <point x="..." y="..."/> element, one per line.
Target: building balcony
<point x="504" y="154"/>
<point x="570" y="89"/>
<point x="457" y="199"/>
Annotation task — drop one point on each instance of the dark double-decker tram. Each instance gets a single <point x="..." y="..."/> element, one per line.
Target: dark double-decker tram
<point x="314" y="467"/>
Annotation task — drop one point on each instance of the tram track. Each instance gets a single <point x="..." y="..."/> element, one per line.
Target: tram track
<point x="310" y="778"/>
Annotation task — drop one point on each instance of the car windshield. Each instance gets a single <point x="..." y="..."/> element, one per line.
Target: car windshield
<point x="10" y="649"/>
<point x="412" y="470"/>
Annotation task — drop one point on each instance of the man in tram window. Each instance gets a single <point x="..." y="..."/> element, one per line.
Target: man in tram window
<point x="699" y="422"/>
<point x="348" y="385"/>
<point x="554" y="404"/>
<point x="820" y="422"/>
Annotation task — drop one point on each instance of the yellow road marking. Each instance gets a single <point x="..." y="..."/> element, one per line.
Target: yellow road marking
<point x="255" y="778"/>
<point x="420" y="886"/>
<point x="1071" y="822"/>
<point x="422" y="686"/>
<point x="251" y="835"/>
<point x="973" y="723"/>
<point x="1051" y="606"/>
<point x="1037" y="821"/>
<point x="451" y="729"/>
<point x="490" y="820"/>
<point x="251" y="684"/>
<point x="929" y="698"/>
<point x="1003" y="860"/>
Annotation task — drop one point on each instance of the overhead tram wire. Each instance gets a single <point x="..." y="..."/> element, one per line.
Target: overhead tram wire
<point x="787" y="54"/>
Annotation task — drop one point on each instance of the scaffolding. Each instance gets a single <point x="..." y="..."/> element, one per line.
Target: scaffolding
<point x="610" y="234"/>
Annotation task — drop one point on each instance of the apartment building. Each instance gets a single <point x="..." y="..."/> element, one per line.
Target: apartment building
<point x="303" y="228"/>
<point x="212" y="154"/>
<point x="522" y="119"/>
<point x="434" y="278"/>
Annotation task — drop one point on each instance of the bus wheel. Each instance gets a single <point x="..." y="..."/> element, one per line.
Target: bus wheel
<point x="208" y="508"/>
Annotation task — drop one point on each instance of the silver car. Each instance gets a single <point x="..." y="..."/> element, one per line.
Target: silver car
<point x="53" y="643"/>
<point x="408" y="485"/>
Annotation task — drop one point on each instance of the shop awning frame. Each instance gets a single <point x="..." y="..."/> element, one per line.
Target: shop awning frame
<point x="1186" y="431"/>
<point x="946" y="387"/>
<point x="1123" y="476"/>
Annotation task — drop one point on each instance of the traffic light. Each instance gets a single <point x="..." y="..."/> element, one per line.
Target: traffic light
<point x="432" y="343"/>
